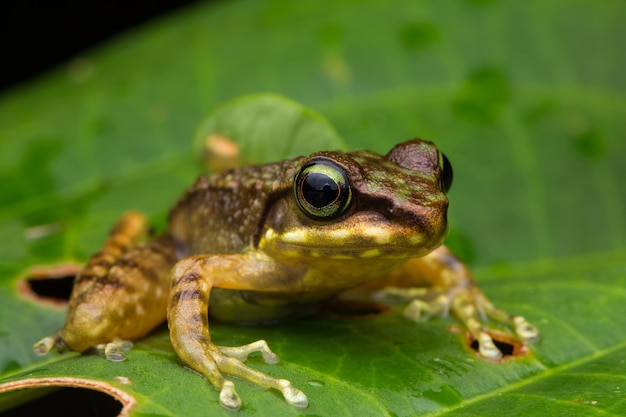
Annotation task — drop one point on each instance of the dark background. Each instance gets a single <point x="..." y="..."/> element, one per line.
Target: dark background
<point x="37" y="36"/>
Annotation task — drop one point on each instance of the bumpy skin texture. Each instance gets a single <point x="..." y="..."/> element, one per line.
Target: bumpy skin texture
<point x="121" y="283"/>
<point x="246" y="246"/>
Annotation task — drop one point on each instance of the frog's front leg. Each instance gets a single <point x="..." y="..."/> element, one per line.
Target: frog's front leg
<point x="453" y="289"/>
<point x="192" y="281"/>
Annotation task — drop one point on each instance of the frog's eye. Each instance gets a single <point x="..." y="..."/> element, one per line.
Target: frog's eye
<point x="322" y="190"/>
<point x="446" y="172"/>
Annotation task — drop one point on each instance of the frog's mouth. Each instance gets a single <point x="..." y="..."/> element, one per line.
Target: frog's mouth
<point x="364" y="235"/>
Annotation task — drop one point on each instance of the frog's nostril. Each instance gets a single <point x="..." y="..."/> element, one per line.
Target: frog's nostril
<point x="52" y="284"/>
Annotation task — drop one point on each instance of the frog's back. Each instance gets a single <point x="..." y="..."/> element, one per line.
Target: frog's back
<point x="223" y="212"/>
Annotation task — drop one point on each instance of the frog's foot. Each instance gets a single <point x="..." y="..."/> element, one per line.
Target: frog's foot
<point x="424" y="303"/>
<point x="213" y="362"/>
<point x="48" y="343"/>
<point x="470" y="305"/>
<point x="114" y="351"/>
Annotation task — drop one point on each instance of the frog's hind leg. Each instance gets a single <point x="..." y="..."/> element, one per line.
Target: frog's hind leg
<point x="192" y="280"/>
<point x="454" y="290"/>
<point x="118" y="294"/>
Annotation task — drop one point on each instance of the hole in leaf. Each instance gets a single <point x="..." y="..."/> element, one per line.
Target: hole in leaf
<point x="509" y="346"/>
<point x="55" y="288"/>
<point x="50" y="284"/>
<point x="69" y="402"/>
<point x="354" y="309"/>
<point x="64" y="396"/>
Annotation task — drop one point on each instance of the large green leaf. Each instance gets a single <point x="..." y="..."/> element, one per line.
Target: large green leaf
<point x="526" y="98"/>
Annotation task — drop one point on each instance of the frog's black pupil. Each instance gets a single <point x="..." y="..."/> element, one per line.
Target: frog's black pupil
<point x="319" y="190"/>
<point x="447" y="175"/>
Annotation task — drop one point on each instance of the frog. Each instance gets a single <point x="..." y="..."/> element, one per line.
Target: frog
<point x="266" y="243"/>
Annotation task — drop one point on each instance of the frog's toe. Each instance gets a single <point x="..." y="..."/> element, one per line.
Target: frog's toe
<point x="216" y="362"/>
<point x="235" y="367"/>
<point x="114" y="351"/>
<point x="241" y="352"/>
<point x="229" y="399"/>
<point x="469" y="305"/>
<point x="48" y="343"/>
<point x="524" y="329"/>
<point x="420" y="310"/>
<point x="45" y="345"/>
<point x="423" y="303"/>
<point x="486" y="347"/>
<point x="472" y="307"/>
<point x="292" y="395"/>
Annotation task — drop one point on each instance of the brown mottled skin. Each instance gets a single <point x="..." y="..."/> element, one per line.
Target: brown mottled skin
<point x="263" y="243"/>
<point x="240" y="196"/>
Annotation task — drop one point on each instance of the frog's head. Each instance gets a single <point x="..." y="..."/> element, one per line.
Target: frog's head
<point x="361" y="205"/>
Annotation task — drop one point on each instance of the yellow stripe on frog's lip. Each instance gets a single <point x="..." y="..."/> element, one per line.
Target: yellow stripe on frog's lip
<point x="378" y="234"/>
<point x="305" y="237"/>
<point x="335" y="238"/>
<point x="296" y="237"/>
<point x="298" y="251"/>
<point x="339" y="234"/>
<point x="359" y="243"/>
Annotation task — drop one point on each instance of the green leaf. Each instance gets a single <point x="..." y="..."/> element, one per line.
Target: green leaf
<point x="268" y="127"/>
<point x="528" y="101"/>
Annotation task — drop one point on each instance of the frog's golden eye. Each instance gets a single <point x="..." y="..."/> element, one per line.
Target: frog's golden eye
<point x="446" y="172"/>
<point x="322" y="190"/>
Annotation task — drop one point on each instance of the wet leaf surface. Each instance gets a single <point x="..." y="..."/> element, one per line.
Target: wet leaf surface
<point x="527" y="99"/>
